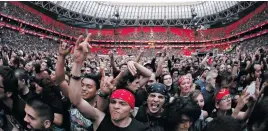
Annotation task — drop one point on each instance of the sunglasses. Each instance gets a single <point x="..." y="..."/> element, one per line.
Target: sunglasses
<point x="225" y="98"/>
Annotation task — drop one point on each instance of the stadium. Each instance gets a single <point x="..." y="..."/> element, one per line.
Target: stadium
<point x="195" y="25"/>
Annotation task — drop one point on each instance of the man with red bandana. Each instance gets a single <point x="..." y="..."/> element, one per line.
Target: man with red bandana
<point x="121" y="103"/>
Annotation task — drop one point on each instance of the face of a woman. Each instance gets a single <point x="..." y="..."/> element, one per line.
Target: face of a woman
<point x="185" y="86"/>
<point x="225" y="103"/>
<point x="200" y="100"/>
<point x="167" y="80"/>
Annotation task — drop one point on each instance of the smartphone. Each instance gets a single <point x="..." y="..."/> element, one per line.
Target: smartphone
<point x="251" y="88"/>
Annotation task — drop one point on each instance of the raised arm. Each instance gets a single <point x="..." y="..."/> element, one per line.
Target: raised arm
<point x="107" y="85"/>
<point x="135" y="67"/>
<point x="60" y="76"/>
<point x="139" y="55"/>
<point x="204" y="61"/>
<point x="245" y="99"/>
<point x="80" y="53"/>
<point x="158" y="71"/>
<point x="111" y="55"/>
<point x="159" y="66"/>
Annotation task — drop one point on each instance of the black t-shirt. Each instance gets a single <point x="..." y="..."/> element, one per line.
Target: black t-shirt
<point x="140" y="97"/>
<point x="154" y="123"/>
<point x="18" y="110"/>
<point x="209" y="100"/>
<point x="107" y="125"/>
<point x="25" y="97"/>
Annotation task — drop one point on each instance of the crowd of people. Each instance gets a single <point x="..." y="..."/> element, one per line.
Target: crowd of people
<point x="51" y="86"/>
<point x="20" y="13"/>
<point x="253" y="21"/>
<point x="18" y="40"/>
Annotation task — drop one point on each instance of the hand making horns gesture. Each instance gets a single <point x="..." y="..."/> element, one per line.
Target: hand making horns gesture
<point x="81" y="49"/>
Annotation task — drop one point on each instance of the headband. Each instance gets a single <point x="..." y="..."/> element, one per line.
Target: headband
<point x="157" y="88"/>
<point x="124" y="95"/>
<point x="223" y="92"/>
<point x="182" y="79"/>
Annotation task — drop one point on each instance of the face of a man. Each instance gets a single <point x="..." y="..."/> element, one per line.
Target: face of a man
<point x="123" y="67"/>
<point x="229" y="68"/>
<point x="175" y="75"/>
<point x="119" y="109"/>
<point x="196" y="64"/>
<point x="257" y="70"/>
<point x="88" y="89"/>
<point x="212" y="81"/>
<point x="167" y="80"/>
<point x="177" y="65"/>
<point x="222" y="68"/>
<point x="151" y="80"/>
<point x="93" y="64"/>
<point x="155" y="102"/>
<point x="87" y="70"/>
<point x="32" y="120"/>
<point x="165" y="71"/>
<point x="43" y="66"/>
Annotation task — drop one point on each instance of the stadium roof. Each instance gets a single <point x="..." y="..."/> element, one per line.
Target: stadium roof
<point x="119" y="13"/>
<point x="142" y="9"/>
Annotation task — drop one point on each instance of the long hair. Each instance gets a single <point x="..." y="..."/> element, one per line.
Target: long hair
<point x="181" y="106"/>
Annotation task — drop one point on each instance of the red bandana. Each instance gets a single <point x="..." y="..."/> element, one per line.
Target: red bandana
<point x="124" y="95"/>
<point x="223" y="92"/>
<point x="182" y="79"/>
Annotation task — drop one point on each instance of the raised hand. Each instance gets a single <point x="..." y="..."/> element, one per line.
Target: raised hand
<point x="81" y="49"/>
<point x="242" y="100"/>
<point x="257" y="90"/>
<point x="64" y="49"/>
<point x="111" y="54"/>
<point x="131" y="67"/>
<point x="108" y="84"/>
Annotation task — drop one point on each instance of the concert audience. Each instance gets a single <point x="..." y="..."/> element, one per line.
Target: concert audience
<point x="49" y="86"/>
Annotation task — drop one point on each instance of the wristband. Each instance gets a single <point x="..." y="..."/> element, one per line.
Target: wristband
<point x="75" y="77"/>
<point x="102" y="95"/>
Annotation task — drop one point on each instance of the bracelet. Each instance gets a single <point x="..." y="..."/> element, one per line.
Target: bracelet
<point x="75" y="77"/>
<point x="102" y="95"/>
